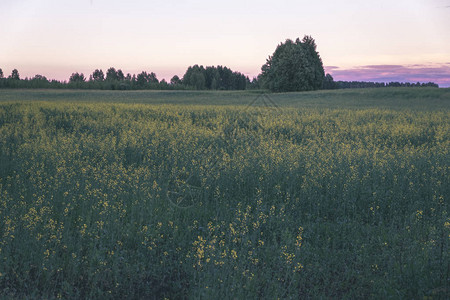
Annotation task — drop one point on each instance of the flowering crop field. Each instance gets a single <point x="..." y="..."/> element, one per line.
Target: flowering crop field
<point x="154" y="195"/>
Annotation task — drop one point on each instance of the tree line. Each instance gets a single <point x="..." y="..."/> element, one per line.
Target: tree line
<point x="196" y="77"/>
<point x="294" y="66"/>
<point x="330" y="84"/>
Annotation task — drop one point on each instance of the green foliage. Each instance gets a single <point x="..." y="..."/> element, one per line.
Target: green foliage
<point x="196" y="77"/>
<point x="365" y="84"/>
<point x="175" y="80"/>
<point x="112" y="75"/>
<point x="143" y="79"/>
<point x="120" y="75"/>
<point x="77" y="78"/>
<point x="424" y="99"/>
<point x="126" y="200"/>
<point x="293" y="67"/>
<point x="214" y="78"/>
<point x="98" y="75"/>
<point x="115" y="80"/>
<point x="14" y="75"/>
<point x="328" y="83"/>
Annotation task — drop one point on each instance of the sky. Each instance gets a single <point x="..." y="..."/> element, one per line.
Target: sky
<point x="382" y="40"/>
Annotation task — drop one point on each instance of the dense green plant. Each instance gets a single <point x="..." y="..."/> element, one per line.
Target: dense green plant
<point x="214" y="78"/>
<point x="122" y="200"/>
<point x="294" y="66"/>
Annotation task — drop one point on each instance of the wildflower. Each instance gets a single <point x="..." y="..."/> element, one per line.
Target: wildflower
<point x="298" y="267"/>
<point x="419" y="214"/>
<point x="299" y="238"/>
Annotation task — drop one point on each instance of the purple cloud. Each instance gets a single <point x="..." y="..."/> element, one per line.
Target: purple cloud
<point x="437" y="73"/>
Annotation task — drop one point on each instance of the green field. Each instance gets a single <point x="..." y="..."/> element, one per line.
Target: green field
<point x="186" y="194"/>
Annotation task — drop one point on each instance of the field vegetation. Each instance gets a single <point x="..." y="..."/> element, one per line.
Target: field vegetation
<point x="186" y="194"/>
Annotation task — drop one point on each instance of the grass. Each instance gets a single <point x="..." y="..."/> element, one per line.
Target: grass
<point x="390" y="98"/>
<point x="330" y="194"/>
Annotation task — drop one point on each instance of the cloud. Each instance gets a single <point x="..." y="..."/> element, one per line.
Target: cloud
<point x="438" y="73"/>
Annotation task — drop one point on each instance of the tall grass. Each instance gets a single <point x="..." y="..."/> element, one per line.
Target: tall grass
<point x="115" y="200"/>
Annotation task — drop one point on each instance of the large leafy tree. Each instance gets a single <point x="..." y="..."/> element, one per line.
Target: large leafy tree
<point x="98" y="75"/>
<point x="294" y="66"/>
<point x="120" y="75"/>
<point x="175" y="80"/>
<point x="195" y="77"/>
<point x="77" y="78"/>
<point x="144" y="78"/>
<point x="1" y="73"/>
<point x="14" y="75"/>
<point x="111" y="74"/>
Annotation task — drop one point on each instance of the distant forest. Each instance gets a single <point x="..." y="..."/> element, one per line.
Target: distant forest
<point x="196" y="78"/>
<point x="330" y="84"/>
<point x="294" y="66"/>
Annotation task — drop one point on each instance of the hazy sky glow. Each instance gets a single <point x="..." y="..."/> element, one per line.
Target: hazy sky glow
<point x="381" y="40"/>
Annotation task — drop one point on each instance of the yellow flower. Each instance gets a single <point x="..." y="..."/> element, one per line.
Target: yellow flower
<point x="298" y="241"/>
<point x="298" y="267"/>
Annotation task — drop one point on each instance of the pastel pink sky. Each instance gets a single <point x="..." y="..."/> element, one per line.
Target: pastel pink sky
<point x="357" y="40"/>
